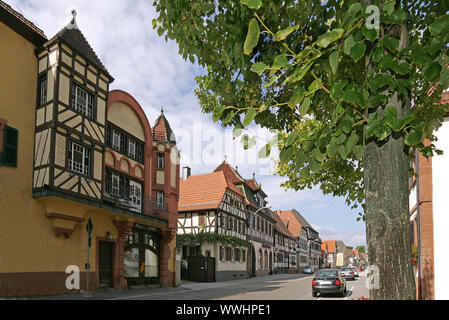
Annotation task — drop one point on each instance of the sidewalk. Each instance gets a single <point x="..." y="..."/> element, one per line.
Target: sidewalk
<point x="185" y="286"/>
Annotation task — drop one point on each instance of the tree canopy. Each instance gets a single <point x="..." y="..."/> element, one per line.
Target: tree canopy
<point x="315" y="70"/>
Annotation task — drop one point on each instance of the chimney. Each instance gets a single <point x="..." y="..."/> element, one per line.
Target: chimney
<point x="186" y="172"/>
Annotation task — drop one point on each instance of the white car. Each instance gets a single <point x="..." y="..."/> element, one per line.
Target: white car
<point x="356" y="272"/>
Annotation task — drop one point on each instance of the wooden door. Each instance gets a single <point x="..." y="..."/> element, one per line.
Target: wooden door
<point x="105" y="263"/>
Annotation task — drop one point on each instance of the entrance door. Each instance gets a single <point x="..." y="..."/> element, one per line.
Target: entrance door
<point x="105" y="257"/>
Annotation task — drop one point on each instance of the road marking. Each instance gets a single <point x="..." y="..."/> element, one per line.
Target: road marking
<point x="351" y="293"/>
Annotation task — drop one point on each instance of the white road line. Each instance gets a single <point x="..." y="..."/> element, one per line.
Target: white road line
<point x="351" y="293"/>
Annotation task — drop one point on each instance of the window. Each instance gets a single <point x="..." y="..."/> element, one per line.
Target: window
<point x="8" y="145"/>
<point x="117" y="140"/>
<point x="135" y="196"/>
<point x="243" y="255"/>
<point x="237" y="254"/>
<point x="160" y="199"/>
<point x="160" y="161"/>
<point x="82" y="101"/>
<point x="228" y="253"/>
<point x="132" y="150"/>
<point x="79" y="158"/>
<point x="221" y="253"/>
<point x="115" y="185"/>
<point x="42" y="91"/>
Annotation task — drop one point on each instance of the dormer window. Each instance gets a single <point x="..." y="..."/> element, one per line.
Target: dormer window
<point x="82" y="101"/>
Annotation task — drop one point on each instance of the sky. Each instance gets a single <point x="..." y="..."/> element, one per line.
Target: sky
<point x="151" y="70"/>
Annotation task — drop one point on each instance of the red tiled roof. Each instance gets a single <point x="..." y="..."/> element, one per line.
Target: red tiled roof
<point x="253" y="184"/>
<point x="330" y="244"/>
<point x="204" y="191"/>
<point x="280" y="226"/>
<point x="362" y="255"/>
<point x="293" y="224"/>
<point x="232" y="176"/>
<point x="162" y="130"/>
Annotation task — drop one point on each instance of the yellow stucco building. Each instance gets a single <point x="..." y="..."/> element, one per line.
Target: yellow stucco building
<point x="72" y="152"/>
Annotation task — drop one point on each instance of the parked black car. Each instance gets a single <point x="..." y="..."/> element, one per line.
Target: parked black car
<point x="328" y="281"/>
<point x="308" y="270"/>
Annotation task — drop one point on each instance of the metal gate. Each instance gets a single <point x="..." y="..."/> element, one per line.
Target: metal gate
<point x="201" y="269"/>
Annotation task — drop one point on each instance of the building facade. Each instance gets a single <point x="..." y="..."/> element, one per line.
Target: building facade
<point x="59" y="167"/>
<point x="212" y="220"/>
<point x="428" y="216"/>
<point x="260" y="223"/>
<point x="285" y="258"/>
<point x="330" y="247"/>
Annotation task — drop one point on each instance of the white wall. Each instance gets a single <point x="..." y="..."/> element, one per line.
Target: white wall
<point x="440" y="182"/>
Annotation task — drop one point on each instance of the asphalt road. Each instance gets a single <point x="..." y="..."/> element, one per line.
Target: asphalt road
<point x="297" y="287"/>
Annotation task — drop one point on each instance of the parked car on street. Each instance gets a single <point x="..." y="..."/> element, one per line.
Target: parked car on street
<point x="308" y="270"/>
<point x="356" y="272"/>
<point x="348" y="273"/>
<point x="328" y="281"/>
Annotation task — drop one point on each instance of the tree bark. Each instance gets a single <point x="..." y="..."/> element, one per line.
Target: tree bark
<point x="386" y="173"/>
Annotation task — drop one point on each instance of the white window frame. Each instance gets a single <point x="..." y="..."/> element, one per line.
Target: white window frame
<point x="135" y="195"/>
<point x="77" y="167"/>
<point x="83" y="101"/>
<point x="160" y="199"/>
<point x="132" y="143"/>
<point x="42" y="91"/>
<point x="115" y="185"/>
<point x="116" y="135"/>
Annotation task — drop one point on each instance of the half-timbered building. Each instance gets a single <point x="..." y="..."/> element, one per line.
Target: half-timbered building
<point x="284" y="244"/>
<point x="73" y="152"/>
<point x="260" y="223"/>
<point x="208" y="205"/>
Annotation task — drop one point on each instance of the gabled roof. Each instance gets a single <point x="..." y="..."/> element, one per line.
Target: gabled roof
<point x="162" y="130"/>
<point x="21" y="25"/>
<point x="295" y="215"/>
<point x="330" y="245"/>
<point x="200" y="192"/>
<point x="292" y="222"/>
<point x="280" y="226"/>
<point x="71" y="36"/>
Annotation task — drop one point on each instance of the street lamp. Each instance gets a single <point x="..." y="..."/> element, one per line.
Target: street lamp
<point x="266" y="207"/>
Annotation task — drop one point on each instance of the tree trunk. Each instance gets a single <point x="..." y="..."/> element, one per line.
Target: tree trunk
<point x="386" y="173"/>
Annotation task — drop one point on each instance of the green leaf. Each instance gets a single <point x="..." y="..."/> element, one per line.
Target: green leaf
<point x="301" y="71"/>
<point x="318" y="155"/>
<point x="342" y="152"/>
<point x="229" y="117"/>
<point x="331" y="149"/>
<point x="248" y="142"/>
<point x="280" y="62"/>
<point x="265" y="151"/>
<point x="259" y="68"/>
<point x="348" y="44"/>
<point x="414" y="138"/>
<point x="291" y="138"/>
<point x="358" y="50"/>
<point x="432" y="71"/>
<point x="382" y="131"/>
<point x="237" y="131"/>
<point x="304" y="106"/>
<point x="252" y="37"/>
<point x="270" y="83"/>
<point x="297" y="96"/>
<point x="333" y="60"/>
<point x="434" y="46"/>
<point x="314" y="165"/>
<point x="329" y="37"/>
<point x="249" y="117"/>
<point x="305" y="172"/>
<point x="358" y="152"/>
<point x="285" y="155"/>
<point x="370" y="34"/>
<point x="390" y="43"/>
<point x="336" y="89"/>
<point x="217" y="112"/>
<point x="352" y="141"/>
<point x="282" y="34"/>
<point x="440" y="26"/>
<point x="340" y="138"/>
<point x="314" y="86"/>
<point x="346" y="125"/>
<point x="378" y="53"/>
<point x="301" y="158"/>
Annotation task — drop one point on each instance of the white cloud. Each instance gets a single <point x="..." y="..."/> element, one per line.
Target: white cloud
<point x="349" y="238"/>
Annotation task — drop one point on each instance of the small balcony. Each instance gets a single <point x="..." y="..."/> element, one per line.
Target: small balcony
<point x="131" y="199"/>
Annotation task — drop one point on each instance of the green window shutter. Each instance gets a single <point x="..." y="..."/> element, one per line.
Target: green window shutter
<point x="9" y="155"/>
